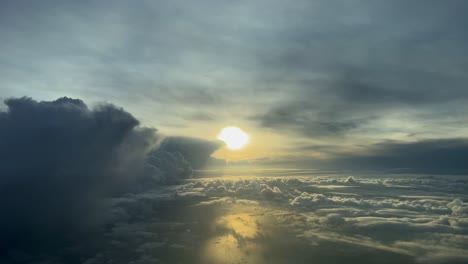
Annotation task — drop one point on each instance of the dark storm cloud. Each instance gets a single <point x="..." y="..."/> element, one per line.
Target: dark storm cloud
<point x="176" y="158"/>
<point x="196" y="151"/>
<point x="58" y="158"/>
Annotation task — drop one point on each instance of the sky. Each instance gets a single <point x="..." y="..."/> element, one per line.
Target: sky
<point x="354" y="114"/>
<point x="319" y="78"/>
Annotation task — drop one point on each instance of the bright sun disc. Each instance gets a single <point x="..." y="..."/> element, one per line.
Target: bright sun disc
<point x="234" y="137"/>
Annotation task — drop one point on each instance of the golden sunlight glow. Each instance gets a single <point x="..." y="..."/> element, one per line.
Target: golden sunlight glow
<point x="234" y="137"/>
<point x="243" y="225"/>
<point x="235" y="239"/>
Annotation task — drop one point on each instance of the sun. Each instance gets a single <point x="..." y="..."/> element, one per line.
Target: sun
<point x="234" y="137"/>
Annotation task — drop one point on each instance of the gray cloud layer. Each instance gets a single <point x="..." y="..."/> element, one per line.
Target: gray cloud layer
<point x="310" y="68"/>
<point x="427" y="156"/>
<point x="431" y="156"/>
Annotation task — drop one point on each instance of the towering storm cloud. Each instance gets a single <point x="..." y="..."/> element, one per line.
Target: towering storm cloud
<point x="58" y="158"/>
